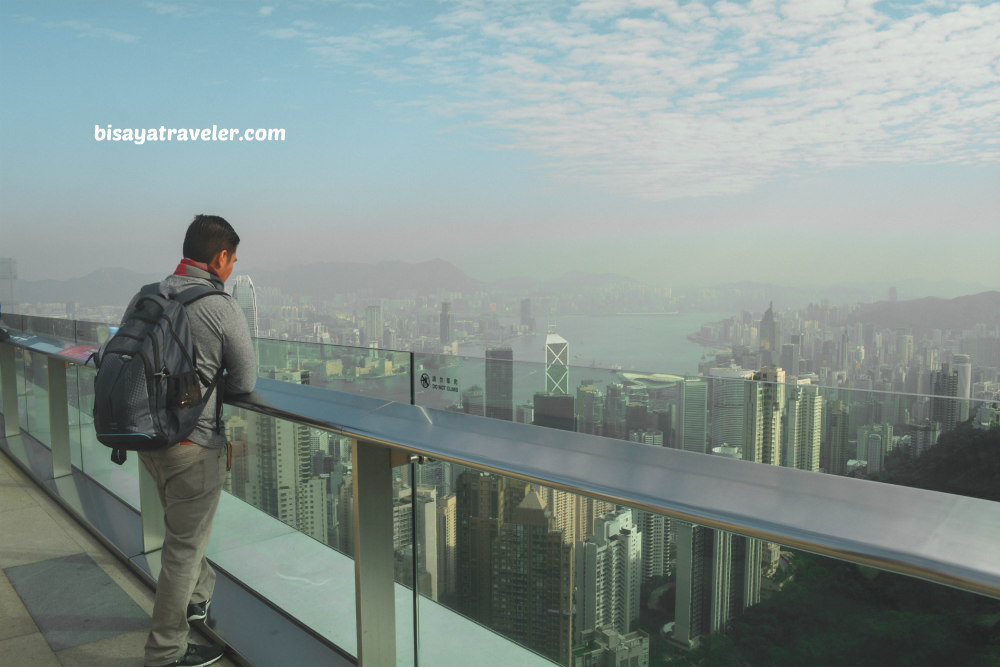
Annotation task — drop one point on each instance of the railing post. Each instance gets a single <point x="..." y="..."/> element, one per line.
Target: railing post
<point x="8" y="376"/>
<point x="151" y="509"/>
<point x="58" y="417"/>
<point x="374" y="587"/>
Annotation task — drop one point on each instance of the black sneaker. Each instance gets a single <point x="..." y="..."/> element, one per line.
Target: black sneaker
<point x="198" y="611"/>
<point x="198" y="656"/>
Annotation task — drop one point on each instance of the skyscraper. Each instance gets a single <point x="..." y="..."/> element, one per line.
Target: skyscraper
<point x="609" y="575"/>
<point x="944" y="407"/>
<point x="500" y="383"/>
<point x="589" y="409"/>
<point x="803" y="427"/>
<point x="554" y="411"/>
<point x="483" y="502"/>
<point x="768" y="337"/>
<point x="281" y="480"/>
<point x="657" y="558"/>
<point x="615" y="412"/>
<point x="447" y="324"/>
<point x="374" y="326"/>
<point x="527" y="319"/>
<point x="246" y="299"/>
<point x="473" y="400"/>
<point x="718" y="576"/>
<point x="836" y="454"/>
<point x="556" y="364"/>
<point x="763" y="409"/>
<point x="532" y="581"/>
<point x="874" y="442"/>
<point x="693" y="421"/>
<point x="727" y="404"/>
<point x="962" y="363"/>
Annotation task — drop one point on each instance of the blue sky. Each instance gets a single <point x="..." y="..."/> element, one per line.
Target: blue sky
<point x="812" y="142"/>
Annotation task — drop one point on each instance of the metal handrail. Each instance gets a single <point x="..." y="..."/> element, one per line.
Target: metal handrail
<point x="948" y="539"/>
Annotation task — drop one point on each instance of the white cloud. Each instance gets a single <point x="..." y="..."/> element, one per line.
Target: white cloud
<point x="265" y="11"/>
<point x="664" y="100"/>
<point x="85" y="29"/>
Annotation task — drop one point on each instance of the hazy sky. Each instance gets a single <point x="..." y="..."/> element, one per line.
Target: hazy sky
<point x="679" y="142"/>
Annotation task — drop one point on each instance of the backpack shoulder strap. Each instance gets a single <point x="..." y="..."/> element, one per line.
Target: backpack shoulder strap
<point x="186" y="298"/>
<point x="195" y="292"/>
<point x="150" y="289"/>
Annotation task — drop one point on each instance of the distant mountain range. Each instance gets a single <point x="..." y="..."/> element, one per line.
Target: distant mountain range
<point x="108" y="287"/>
<point x="385" y="279"/>
<point x="103" y="287"/>
<point x="927" y="314"/>
<point x="397" y="279"/>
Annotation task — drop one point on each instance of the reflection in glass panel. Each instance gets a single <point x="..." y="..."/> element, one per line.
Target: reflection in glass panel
<point x="95" y="457"/>
<point x="582" y="582"/>
<point x="765" y="416"/>
<point x="297" y="474"/>
<point x="814" y="610"/>
<point x="503" y="554"/>
<point x="355" y="370"/>
<point x="37" y="396"/>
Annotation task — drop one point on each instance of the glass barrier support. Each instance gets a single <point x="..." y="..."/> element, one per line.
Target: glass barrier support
<point x="8" y="375"/>
<point x="375" y="601"/>
<point x="58" y="417"/>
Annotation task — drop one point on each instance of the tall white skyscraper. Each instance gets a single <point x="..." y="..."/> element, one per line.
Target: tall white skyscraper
<point x="556" y="364"/>
<point x="654" y="530"/>
<point x="803" y="426"/>
<point x="763" y="410"/>
<point x="609" y="575"/>
<point x="246" y="298"/>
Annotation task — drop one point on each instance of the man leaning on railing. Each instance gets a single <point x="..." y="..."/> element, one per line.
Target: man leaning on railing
<point x="189" y="475"/>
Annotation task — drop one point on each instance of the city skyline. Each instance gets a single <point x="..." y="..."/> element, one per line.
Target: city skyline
<point x="676" y="143"/>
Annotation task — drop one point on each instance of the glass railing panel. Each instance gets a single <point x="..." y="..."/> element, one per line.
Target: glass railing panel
<point x="37" y="396"/>
<point x="12" y="321"/>
<point x="299" y="559"/>
<point x="576" y="580"/>
<point x="792" y="423"/>
<point x="852" y="432"/>
<point x="80" y="419"/>
<point x="91" y="333"/>
<point x="355" y="370"/>
<point x="95" y="457"/>
<point x="730" y="599"/>
<point x="22" y="388"/>
<point x="406" y="527"/>
<point x="296" y="474"/>
<point x="497" y="556"/>
<point x="567" y="397"/>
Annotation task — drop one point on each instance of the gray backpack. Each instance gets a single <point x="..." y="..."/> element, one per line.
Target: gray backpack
<point x="148" y="390"/>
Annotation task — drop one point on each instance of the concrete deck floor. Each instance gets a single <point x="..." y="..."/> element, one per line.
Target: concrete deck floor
<point x="34" y="528"/>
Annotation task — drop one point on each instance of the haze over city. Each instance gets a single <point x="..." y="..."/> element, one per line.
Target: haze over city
<point x="677" y="143"/>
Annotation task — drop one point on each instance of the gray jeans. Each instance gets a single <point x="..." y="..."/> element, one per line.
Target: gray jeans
<point x="189" y="478"/>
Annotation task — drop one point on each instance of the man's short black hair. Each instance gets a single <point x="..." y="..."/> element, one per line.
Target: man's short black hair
<point x="207" y="236"/>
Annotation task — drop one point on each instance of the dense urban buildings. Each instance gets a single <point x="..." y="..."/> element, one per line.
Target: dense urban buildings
<point x="820" y="389"/>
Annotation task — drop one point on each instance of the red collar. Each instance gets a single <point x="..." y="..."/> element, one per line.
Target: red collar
<point x="184" y="268"/>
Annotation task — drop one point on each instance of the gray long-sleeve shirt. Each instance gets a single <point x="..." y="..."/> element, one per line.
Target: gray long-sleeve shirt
<point x="221" y="340"/>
